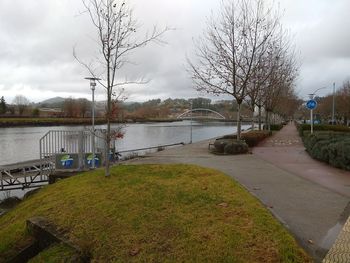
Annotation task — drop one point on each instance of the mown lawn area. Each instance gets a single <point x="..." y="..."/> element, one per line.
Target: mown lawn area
<point x="27" y="121"/>
<point x="155" y="213"/>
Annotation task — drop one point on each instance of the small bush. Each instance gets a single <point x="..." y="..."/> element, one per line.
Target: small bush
<point x="236" y="147"/>
<point x="230" y="146"/>
<point x="274" y="127"/>
<point x="252" y="138"/>
<point x="220" y="144"/>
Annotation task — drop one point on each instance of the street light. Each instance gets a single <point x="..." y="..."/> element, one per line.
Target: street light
<point x="191" y="121"/>
<point x="311" y="95"/>
<point x="93" y="86"/>
<point x="333" y="105"/>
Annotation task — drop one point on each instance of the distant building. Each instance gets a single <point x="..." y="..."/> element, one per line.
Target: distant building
<point x="50" y="112"/>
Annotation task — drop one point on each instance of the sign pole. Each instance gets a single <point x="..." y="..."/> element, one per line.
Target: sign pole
<point x="312" y="121"/>
<point x="311" y="105"/>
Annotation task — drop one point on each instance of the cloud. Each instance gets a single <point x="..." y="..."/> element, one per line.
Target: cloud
<point x="37" y="38"/>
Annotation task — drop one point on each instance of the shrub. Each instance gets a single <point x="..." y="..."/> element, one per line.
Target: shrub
<point x="274" y="127"/>
<point x="253" y="138"/>
<point x="236" y="147"/>
<point x="330" y="147"/>
<point x="220" y="144"/>
<point x="230" y="146"/>
<point x="320" y="127"/>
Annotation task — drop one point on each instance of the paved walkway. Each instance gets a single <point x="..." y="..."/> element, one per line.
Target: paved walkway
<point x="314" y="214"/>
<point x="286" y="150"/>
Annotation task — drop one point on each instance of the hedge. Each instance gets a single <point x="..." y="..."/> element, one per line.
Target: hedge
<point x="274" y="127"/>
<point x="330" y="147"/>
<point x="252" y="138"/>
<point x="321" y="127"/>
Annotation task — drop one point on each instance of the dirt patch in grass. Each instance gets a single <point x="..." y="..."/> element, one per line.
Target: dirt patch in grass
<point x="156" y="213"/>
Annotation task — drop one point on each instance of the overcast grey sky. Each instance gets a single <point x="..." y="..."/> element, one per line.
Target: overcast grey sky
<point x="37" y="39"/>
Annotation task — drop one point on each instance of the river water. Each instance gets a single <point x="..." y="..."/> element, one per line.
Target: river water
<point x="22" y="144"/>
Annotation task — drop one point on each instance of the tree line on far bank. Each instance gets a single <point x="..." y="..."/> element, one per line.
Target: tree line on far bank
<point x="122" y="111"/>
<point x="324" y="110"/>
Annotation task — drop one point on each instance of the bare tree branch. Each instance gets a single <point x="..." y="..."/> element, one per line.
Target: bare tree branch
<point x="117" y="38"/>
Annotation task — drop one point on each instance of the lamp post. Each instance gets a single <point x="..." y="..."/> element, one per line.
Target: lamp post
<point x="191" y="123"/>
<point x="333" y="105"/>
<point x="93" y="86"/>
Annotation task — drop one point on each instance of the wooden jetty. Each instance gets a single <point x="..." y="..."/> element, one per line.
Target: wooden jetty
<point x="29" y="174"/>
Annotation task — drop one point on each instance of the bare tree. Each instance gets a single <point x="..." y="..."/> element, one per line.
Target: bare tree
<point x="21" y="103"/>
<point x="280" y="82"/>
<point x="343" y="102"/>
<point x="117" y="31"/>
<point x="70" y="108"/>
<point x="83" y="106"/>
<point x="232" y="49"/>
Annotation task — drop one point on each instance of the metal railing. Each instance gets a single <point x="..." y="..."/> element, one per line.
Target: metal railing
<point x="57" y="142"/>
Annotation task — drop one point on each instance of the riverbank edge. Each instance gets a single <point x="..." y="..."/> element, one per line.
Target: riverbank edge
<point x="47" y="122"/>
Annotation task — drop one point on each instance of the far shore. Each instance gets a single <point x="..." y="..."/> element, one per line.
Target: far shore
<point x="10" y="122"/>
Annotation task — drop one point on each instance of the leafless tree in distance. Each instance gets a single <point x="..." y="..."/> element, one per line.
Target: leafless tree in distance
<point x="117" y="38"/>
<point x="21" y="103"/>
<point x="231" y="50"/>
<point x="280" y="83"/>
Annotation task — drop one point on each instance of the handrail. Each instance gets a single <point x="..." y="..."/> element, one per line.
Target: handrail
<point x="152" y="147"/>
<point x="201" y="109"/>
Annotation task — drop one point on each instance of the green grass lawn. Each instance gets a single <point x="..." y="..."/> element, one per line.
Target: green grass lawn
<point x="56" y="253"/>
<point x="156" y="213"/>
<point x="27" y="121"/>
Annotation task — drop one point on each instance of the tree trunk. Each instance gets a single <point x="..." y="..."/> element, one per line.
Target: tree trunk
<point x="239" y="130"/>
<point x="268" y="121"/>
<point x="109" y="107"/>
<point x="259" y="117"/>
<point x="108" y="142"/>
<point x="266" y="126"/>
<point x="253" y="123"/>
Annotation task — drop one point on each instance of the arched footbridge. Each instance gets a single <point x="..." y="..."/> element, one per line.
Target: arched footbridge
<point x="201" y="113"/>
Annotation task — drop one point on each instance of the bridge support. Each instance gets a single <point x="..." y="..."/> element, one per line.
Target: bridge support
<point x="28" y="174"/>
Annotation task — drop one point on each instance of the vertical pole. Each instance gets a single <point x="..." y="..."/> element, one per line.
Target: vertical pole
<point x="81" y="150"/>
<point x="312" y="121"/>
<point x="333" y="105"/>
<point x="191" y="124"/>
<point x="92" y="86"/>
<point x="93" y="126"/>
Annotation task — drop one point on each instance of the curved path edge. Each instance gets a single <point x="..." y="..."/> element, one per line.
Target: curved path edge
<point x="311" y="212"/>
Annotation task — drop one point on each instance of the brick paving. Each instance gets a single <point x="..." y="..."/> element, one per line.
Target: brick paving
<point x="340" y="251"/>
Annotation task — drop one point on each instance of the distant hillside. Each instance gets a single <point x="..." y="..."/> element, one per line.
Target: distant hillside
<point x="55" y="100"/>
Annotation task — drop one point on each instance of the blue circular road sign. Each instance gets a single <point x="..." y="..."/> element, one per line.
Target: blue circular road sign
<point x="311" y="104"/>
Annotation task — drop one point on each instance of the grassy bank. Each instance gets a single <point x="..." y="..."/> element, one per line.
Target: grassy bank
<point x="20" y="122"/>
<point x="155" y="213"/>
